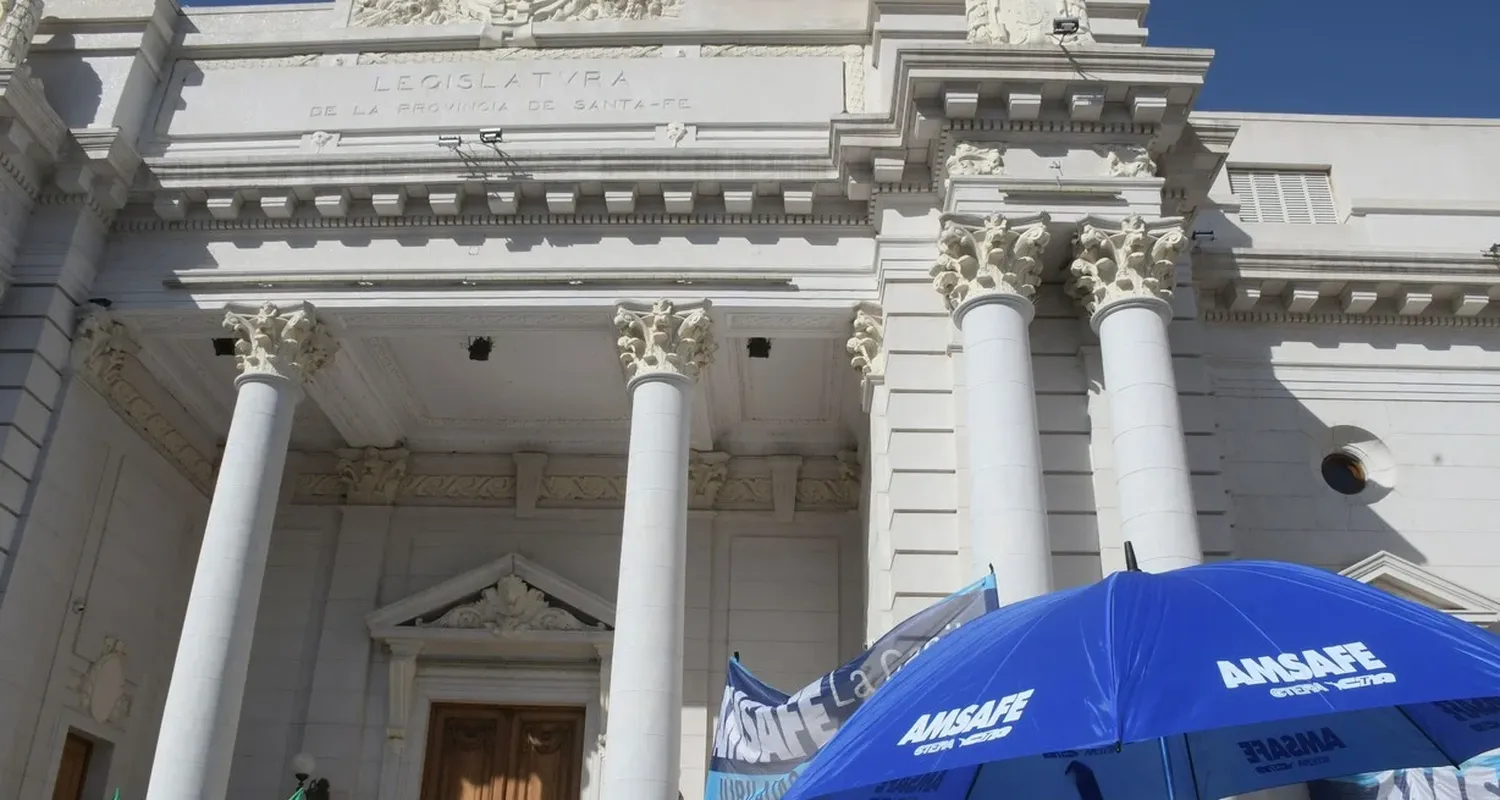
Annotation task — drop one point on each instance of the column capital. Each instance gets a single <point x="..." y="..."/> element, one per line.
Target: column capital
<point x="989" y="256"/>
<point x="371" y="476"/>
<point x="664" y="338"/>
<point x="866" y="347"/>
<point x="285" y="343"/>
<point x="1124" y="260"/>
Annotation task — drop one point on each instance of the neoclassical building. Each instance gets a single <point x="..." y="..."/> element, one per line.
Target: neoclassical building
<point x="430" y="396"/>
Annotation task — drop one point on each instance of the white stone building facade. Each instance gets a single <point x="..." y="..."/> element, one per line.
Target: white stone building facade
<point x="390" y="381"/>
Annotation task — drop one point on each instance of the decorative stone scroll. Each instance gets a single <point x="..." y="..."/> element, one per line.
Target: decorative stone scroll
<point x="101" y="344"/>
<point x="372" y="476"/>
<point x="1131" y="261"/>
<point x="507" y="607"/>
<point x="289" y="344"/>
<point x="972" y="159"/>
<point x="866" y="347"/>
<point x="508" y="12"/>
<point x="665" y="339"/>
<point x="18" y="22"/>
<point x="1026" y="22"/>
<point x="993" y="255"/>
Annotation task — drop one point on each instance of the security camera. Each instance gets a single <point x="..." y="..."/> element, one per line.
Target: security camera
<point x="1065" y="26"/>
<point x="491" y="135"/>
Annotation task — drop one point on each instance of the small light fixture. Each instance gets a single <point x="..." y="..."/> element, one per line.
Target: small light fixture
<point x="312" y="788"/>
<point x="1203" y="236"/>
<point x="450" y="140"/>
<point x="1065" y="26"/>
<point x="102" y="302"/>
<point x="480" y="347"/>
<point x="758" y="347"/>
<point x="224" y="345"/>
<point x="491" y="135"/>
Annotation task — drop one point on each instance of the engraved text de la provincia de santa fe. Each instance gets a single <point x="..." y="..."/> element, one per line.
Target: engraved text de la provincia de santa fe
<point x="500" y="91"/>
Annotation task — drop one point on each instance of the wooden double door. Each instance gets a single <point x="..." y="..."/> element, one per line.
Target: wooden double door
<point x="477" y="752"/>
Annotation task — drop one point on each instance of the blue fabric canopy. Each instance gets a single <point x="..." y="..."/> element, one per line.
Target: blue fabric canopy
<point x="1208" y="681"/>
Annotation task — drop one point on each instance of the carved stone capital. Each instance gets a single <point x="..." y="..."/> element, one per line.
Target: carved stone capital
<point x="372" y="476"/>
<point x="100" y="345"/>
<point x="867" y="346"/>
<point x="1124" y="262"/>
<point x="18" y="23"/>
<point x="990" y="256"/>
<point x="288" y="344"/>
<point x="975" y="159"/>
<point x="664" y="338"/>
<point x="1026" y="22"/>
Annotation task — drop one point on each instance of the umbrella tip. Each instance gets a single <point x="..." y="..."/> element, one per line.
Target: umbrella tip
<point x="1130" y="562"/>
<point x="736" y="655"/>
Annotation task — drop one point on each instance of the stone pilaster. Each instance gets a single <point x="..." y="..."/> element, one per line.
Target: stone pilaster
<point x="663" y="348"/>
<point x="278" y="350"/>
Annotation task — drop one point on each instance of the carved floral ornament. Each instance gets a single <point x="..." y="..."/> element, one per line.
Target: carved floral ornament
<point x="372" y="476"/>
<point x="665" y="339"/>
<point x="1127" y="161"/>
<point x="1025" y="22"/>
<point x="508" y="12"/>
<point x="289" y="344"/>
<point x="995" y="255"/>
<point x="866" y="347"/>
<point x="510" y="606"/>
<point x="1131" y="261"/>
<point x="975" y="159"/>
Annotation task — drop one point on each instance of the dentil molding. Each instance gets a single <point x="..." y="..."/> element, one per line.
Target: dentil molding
<point x="989" y="256"/>
<point x="1115" y="261"/>
<point x="716" y="481"/>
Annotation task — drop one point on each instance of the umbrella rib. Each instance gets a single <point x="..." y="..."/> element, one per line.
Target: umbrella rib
<point x="1425" y="735"/>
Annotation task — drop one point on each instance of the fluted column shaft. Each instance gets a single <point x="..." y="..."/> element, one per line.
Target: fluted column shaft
<point x="988" y="270"/>
<point x="1124" y="274"/>
<point x="663" y="347"/>
<point x="194" y="750"/>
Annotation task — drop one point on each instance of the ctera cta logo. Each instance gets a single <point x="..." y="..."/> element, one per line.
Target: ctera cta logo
<point x="1291" y="674"/>
<point x="1282" y="753"/>
<point x="961" y="727"/>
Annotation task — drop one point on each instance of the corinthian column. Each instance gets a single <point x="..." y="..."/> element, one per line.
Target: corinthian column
<point x="987" y="271"/>
<point x="1123" y="275"/>
<point x="277" y="351"/>
<point x="663" y="347"/>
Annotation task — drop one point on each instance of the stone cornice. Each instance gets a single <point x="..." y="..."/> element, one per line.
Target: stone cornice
<point x="527" y="481"/>
<point x="1348" y="287"/>
<point x="1038" y="87"/>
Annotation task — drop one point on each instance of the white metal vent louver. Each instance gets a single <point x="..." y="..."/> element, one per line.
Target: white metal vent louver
<point x="1284" y="196"/>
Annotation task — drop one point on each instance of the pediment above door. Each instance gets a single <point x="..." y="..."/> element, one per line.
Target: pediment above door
<point x="508" y="607"/>
<point x="1405" y="579"/>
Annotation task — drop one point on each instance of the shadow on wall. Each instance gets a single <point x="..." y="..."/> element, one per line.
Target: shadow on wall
<point x="71" y="85"/>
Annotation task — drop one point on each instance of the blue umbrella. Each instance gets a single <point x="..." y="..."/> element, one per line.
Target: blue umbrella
<point x="1208" y="681"/>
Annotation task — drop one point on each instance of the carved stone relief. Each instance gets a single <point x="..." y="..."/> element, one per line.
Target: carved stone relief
<point x="103" y="690"/>
<point x="507" y="12"/>
<point x="290" y="344"/>
<point x="372" y="476"/>
<point x="996" y="255"/>
<point x="1127" y="161"/>
<point x="1128" y="262"/>
<point x="1026" y="22"/>
<point x="973" y="159"/>
<point x="510" y="606"/>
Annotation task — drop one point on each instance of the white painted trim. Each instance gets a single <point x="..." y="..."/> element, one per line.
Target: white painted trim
<point x="577" y="685"/>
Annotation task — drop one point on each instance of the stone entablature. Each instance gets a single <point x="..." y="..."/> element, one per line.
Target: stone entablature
<point x="1353" y="287"/>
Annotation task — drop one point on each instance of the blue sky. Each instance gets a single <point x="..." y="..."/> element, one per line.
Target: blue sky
<point x="1421" y="58"/>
